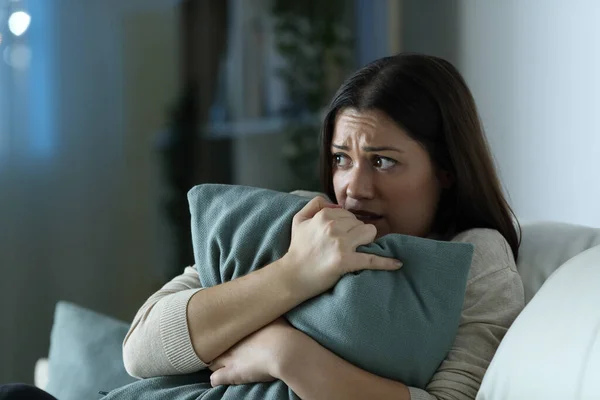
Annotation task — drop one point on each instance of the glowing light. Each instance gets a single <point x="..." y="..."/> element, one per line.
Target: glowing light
<point x="18" y="22"/>
<point x="18" y="56"/>
<point x="0" y="39"/>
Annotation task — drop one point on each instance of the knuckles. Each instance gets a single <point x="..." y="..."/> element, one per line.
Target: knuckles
<point x="371" y="230"/>
<point x="330" y="228"/>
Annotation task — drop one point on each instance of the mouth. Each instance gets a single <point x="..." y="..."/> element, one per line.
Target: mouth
<point x="366" y="216"/>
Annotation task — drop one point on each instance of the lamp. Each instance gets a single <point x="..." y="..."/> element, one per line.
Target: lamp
<point x="18" y="22"/>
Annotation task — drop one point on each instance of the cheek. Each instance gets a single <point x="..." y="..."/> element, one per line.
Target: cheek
<point x="404" y="193"/>
<point x="416" y="196"/>
<point x="426" y="193"/>
<point x="428" y="189"/>
<point x="339" y="187"/>
<point x="412" y="207"/>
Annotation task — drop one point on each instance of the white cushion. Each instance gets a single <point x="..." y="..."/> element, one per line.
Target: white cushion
<point x="40" y="375"/>
<point x="545" y="246"/>
<point x="552" y="350"/>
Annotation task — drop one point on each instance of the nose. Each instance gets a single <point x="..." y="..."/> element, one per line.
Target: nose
<point x="360" y="184"/>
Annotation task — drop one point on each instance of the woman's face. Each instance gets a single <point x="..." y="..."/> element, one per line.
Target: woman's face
<point x="382" y="175"/>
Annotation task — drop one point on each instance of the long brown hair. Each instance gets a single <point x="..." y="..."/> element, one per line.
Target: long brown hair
<point x="430" y="100"/>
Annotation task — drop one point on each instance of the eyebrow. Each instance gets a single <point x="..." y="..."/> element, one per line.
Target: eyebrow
<point x="370" y="148"/>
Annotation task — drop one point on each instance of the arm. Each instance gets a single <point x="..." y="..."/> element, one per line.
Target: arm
<point x="185" y="324"/>
<point x="316" y="373"/>
<point x="160" y="324"/>
<point x="222" y="315"/>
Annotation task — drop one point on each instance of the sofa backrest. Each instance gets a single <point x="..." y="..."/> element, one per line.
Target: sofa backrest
<point x="545" y="246"/>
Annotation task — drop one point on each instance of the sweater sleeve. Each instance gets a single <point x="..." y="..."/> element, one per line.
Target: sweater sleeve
<point x="493" y="299"/>
<point x="158" y="341"/>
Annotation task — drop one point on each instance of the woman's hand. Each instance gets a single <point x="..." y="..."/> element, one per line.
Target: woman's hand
<point x="323" y="246"/>
<point x="255" y="358"/>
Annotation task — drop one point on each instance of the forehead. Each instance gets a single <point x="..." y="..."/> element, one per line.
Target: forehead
<point x="371" y="126"/>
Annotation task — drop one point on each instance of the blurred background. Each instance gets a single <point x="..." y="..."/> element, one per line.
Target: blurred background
<point x="110" y="110"/>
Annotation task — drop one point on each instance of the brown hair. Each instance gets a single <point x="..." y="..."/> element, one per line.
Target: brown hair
<point x="430" y="100"/>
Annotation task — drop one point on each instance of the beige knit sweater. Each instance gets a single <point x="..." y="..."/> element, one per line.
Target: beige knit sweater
<point x="158" y="342"/>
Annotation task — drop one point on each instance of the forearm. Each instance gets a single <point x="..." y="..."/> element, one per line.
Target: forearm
<point x="315" y="373"/>
<point x="220" y="316"/>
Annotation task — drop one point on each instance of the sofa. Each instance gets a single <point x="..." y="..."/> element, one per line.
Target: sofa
<point x="552" y="351"/>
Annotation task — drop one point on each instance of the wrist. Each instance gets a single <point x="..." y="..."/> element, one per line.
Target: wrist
<point x="292" y="277"/>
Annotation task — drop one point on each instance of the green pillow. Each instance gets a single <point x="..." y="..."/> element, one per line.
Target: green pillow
<point x="396" y="324"/>
<point x="399" y="325"/>
<point x="85" y="353"/>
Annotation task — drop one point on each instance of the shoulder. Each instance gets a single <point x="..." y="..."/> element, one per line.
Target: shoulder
<point x="492" y="252"/>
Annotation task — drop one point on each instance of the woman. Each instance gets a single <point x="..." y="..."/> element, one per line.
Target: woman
<point x="403" y="151"/>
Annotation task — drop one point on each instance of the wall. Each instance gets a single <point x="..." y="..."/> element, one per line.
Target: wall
<point x="259" y="159"/>
<point x="532" y="67"/>
<point x="78" y="199"/>
<point x="431" y="27"/>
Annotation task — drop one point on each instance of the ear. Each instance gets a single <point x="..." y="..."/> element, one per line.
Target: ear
<point x="446" y="179"/>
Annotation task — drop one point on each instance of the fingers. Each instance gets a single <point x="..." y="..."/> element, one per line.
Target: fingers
<point x="219" y="377"/>
<point x="312" y="208"/>
<point x="340" y="228"/>
<point x="362" y="234"/>
<point x="371" y="261"/>
<point x="331" y="213"/>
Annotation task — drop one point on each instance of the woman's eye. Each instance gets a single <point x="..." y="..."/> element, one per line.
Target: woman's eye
<point x="340" y="160"/>
<point x="384" y="163"/>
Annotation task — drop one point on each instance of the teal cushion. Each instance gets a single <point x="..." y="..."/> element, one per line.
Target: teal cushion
<point x="399" y="324"/>
<point x="85" y="353"/>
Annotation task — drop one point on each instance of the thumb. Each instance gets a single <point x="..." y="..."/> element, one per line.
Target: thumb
<point x="218" y="377"/>
<point x="312" y="208"/>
